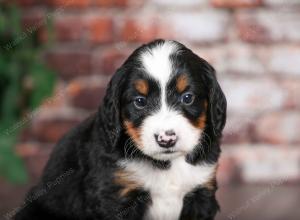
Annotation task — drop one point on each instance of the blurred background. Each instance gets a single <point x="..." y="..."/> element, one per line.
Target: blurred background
<point x="56" y="57"/>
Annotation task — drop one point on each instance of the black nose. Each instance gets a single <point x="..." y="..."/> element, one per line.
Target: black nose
<point x="166" y="139"/>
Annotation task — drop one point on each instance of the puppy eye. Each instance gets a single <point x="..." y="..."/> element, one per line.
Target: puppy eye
<point x="140" y="102"/>
<point x="187" y="98"/>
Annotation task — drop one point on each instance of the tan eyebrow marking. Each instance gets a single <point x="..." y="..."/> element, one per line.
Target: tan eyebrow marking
<point x="142" y="86"/>
<point x="181" y="83"/>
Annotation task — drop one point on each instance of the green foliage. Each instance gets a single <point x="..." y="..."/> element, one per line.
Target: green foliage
<point x="24" y="83"/>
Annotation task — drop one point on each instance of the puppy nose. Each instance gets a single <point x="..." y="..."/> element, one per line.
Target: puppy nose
<point x="166" y="139"/>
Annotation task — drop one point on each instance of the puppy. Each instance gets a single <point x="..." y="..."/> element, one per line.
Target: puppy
<point x="150" y="152"/>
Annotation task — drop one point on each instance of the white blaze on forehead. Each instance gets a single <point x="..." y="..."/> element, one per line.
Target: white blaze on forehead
<point x="157" y="63"/>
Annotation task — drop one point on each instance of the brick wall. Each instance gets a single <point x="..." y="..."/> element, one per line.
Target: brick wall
<point x="253" y="44"/>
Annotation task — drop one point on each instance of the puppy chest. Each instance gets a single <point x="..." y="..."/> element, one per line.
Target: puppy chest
<point x="167" y="198"/>
<point x="168" y="187"/>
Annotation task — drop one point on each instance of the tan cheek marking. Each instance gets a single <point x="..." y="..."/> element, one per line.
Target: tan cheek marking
<point x="133" y="132"/>
<point x="181" y="83"/>
<point x="123" y="178"/>
<point x="142" y="86"/>
<point x="201" y="121"/>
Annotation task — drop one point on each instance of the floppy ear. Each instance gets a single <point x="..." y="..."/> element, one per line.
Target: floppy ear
<point x="217" y="107"/>
<point x="110" y="109"/>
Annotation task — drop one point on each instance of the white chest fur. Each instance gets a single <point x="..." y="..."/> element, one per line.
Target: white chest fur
<point x="168" y="187"/>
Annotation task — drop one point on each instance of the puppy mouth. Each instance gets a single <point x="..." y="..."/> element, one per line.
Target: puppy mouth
<point x="169" y="152"/>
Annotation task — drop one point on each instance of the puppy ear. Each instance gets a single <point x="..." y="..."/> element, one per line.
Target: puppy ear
<point x="110" y="109"/>
<point x="217" y="107"/>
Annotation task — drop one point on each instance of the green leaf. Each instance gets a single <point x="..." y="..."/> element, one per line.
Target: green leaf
<point x="24" y="83"/>
<point x="43" y="83"/>
<point x="11" y="166"/>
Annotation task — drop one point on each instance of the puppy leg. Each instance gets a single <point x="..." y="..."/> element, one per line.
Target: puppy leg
<point x="200" y="205"/>
<point x="134" y="206"/>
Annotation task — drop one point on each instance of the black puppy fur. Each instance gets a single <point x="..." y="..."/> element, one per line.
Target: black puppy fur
<point x="89" y="154"/>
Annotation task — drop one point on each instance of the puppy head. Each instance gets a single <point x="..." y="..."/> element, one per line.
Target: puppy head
<point x="168" y="97"/>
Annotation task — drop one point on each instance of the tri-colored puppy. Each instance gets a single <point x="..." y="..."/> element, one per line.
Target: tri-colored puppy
<point x="150" y="152"/>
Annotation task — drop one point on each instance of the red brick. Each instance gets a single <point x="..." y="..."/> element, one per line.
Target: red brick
<point x="139" y="31"/>
<point x="281" y="3"/>
<point x="52" y="105"/>
<point x="35" y="156"/>
<point x="257" y="163"/>
<point x="293" y="89"/>
<point x="284" y="61"/>
<point x="241" y="59"/>
<point x="57" y="100"/>
<point x="267" y="26"/>
<point x="43" y="36"/>
<point x="236" y="3"/>
<point x="52" y="129"/>
<point x="228" y="172"/>
<point x="253" y="32"/>
<point x="86" y="96"/>
<point x="279" y="128"/>
<point x="238" y="129"/>
<point x="207" y="26"/>
<point x="27" y="3"/>
<point x="26" y="150"/>
<point x="69" y="3"/>
<point x="68" y="28"/>
<point x="108" y="61"/>
<point x="111" y="3"/>
<point x="179" y="3"/>
<point x="26" y="135"/>
<point x="33" y="19"/>
<point x="36" y="20"/>
<point x="70" y="64"/>
<point x="253" y="96"/>
<point x="217" y="56"/>
<point x="100" y="29"/>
